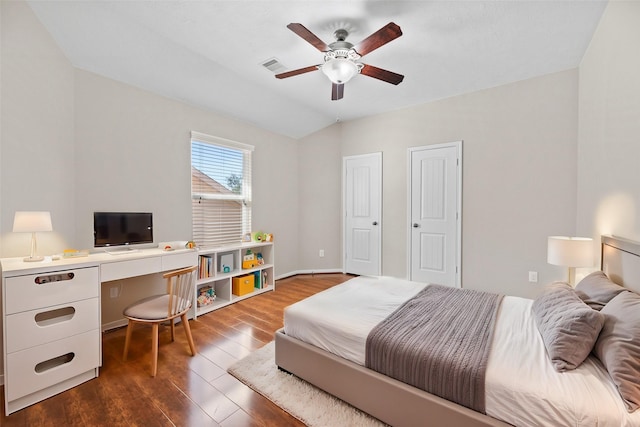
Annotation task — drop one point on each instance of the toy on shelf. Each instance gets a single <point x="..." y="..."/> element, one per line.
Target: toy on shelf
<point x="249" y="260"/>
<point x="226" y="262"/>
<point x="206" y="296"/>
<point x="259" y="236"/>
<point x="73" y="253"/>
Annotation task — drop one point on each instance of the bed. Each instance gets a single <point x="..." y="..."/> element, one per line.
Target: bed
<point x="324" y="338"/>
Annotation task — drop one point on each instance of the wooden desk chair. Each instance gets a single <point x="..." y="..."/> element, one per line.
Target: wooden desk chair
<point x="162" y="308"/>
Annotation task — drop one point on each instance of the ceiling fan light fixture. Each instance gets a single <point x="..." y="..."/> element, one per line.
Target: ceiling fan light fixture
<point x="340" y="70"/>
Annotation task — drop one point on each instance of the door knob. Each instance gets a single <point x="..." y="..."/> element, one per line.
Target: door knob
<point x="416" y="225"/>
<point x="375" y="222"/>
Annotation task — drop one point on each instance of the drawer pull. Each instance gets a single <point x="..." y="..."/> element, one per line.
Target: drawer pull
<point x="41" y="280"/>
<point x="54" y="363"/>
<point x="52" y="317"/>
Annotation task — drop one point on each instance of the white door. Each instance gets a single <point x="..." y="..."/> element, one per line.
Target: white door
<point x="363" y="206"/>
<point x="435" y="185"/>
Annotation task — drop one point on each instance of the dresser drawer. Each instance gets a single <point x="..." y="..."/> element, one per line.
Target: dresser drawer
<point x="180" y="260"/>
<point x="24" y="293"/>
<point x="39" y="367"/>
<point x="130" y="268"/>
<point x="35" y="327"/>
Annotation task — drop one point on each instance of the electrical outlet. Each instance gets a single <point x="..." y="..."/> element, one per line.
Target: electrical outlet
<point x="533" y="276"/>
<point x="321" y="253"/>
<point x="113" y="292"/>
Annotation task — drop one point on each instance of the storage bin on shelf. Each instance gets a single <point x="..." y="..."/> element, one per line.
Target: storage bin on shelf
<point x="242" y="285"/>
<point x="206" y="296"/>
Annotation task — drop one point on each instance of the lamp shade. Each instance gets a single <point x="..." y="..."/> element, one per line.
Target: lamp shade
<point x="340" y="70"/>
<point x="570" y="251"/>
<point x="30" y="222"/>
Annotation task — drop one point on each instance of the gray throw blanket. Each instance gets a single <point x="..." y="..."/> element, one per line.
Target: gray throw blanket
<point x="438" y="341"/>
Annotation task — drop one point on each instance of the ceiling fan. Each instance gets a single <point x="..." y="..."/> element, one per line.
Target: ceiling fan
<point x="340" y="57"/>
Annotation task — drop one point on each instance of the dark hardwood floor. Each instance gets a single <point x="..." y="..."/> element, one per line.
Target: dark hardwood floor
<point x="187" y="391"/>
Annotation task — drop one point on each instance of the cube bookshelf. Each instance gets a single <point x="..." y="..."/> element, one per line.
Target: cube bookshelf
<point x="217" y="267"/>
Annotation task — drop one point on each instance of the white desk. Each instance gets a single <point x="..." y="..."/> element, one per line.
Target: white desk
<point x="112" y="267"/>
<point x="51" y="317"/>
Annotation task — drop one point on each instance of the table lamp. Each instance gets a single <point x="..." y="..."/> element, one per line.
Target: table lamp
<point x="570" y="252"/>
<point x="32" y="222"/>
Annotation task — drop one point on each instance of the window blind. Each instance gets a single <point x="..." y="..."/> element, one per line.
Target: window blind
<point x="220" y="190"/>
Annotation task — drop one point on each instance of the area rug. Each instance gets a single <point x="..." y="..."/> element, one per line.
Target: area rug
<point x="305" y="402"/>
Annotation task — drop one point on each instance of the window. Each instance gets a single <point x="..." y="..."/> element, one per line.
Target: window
<point x="220" y="190"/>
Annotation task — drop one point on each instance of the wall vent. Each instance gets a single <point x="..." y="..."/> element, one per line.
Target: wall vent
<point x="274" y="65"/>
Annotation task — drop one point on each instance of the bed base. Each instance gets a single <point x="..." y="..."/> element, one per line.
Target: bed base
<point x="389" y="400"/>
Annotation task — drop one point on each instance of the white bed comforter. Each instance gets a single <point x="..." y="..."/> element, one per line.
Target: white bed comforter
<point x="522" y="388"/>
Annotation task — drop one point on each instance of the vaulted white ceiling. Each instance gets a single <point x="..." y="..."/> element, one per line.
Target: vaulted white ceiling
<point x="210" y="53"/>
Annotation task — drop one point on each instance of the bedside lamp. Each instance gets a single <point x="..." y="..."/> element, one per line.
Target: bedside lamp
<point x="32" y="222"/>
<point x="570" y="252"/>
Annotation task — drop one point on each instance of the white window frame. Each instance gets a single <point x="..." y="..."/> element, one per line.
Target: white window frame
<point x="244" y="198"/>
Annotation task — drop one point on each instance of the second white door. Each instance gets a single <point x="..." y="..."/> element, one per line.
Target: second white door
<point x="434" y="204"/>
<point x="362" y="214"/>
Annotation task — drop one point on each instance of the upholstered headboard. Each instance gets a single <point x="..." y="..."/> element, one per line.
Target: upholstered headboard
<point x="621" y="261"/>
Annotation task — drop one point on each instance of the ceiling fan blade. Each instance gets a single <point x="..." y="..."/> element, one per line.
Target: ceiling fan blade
<point x="311" y="38"/>
<point x="337" y="91"/>
<point x="381" y="37"/>
<point x="296" y="72"/>
<point x="380" y="74"/>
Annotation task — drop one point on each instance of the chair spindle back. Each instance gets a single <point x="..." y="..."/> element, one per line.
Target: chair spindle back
<point x="180" y="285"/>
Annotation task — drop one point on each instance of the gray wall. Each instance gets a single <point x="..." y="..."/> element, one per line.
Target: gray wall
<point x="133" y="153"/>
<point x="519" y="176"/>
<point x="74" y="143"/>
<point x="553" y="155"/>
<point x="320" y="187"/>
<point x="36" y="139"/>
<point x="609" y="126"/>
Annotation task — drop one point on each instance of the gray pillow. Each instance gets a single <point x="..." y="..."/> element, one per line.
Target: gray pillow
<point x="596" y="290"/>
<point x="568" y="326"/>
<point x="618" y="346"/>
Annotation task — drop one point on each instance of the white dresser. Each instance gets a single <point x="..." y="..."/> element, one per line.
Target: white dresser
<point x="52" y="337"/>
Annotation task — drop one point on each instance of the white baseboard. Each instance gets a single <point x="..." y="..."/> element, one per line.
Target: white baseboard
<point x="296" y="272"/>
<point x="114" y="325"/>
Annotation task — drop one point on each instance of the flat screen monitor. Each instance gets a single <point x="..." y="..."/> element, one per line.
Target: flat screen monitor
<point x="122" y="228"/>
